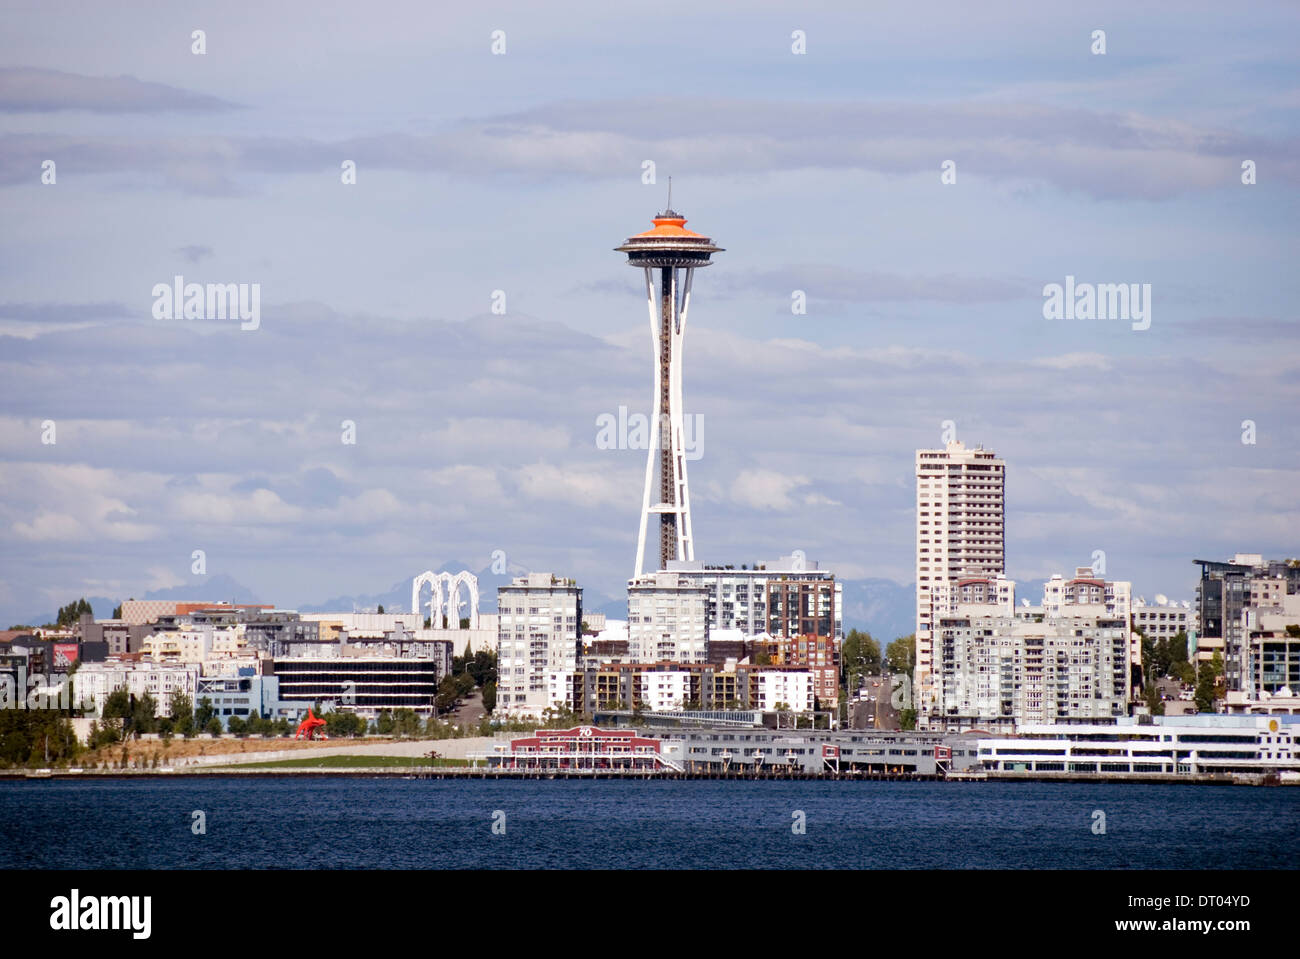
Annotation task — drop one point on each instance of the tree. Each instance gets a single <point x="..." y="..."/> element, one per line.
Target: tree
<point x="900" y="655"/>
<point x="381" y="609"/>
<point x="561" y="717"/>
<point x="144" y="715"/>
<point x="1148" y="655"/>
<point x="859" y="656"/>
<point x="1205" y="682"/>
<point x="481" y="666"/>
<point x="1153" y="701"/>
<point x="341" y="723"/>
<point x="181" y="708"/>
<point x="213" y="725"/>
<point x="117" y="611"/>
<point x="1177" y="650"/>
<point x="118" y="704"/>
<point x="103" y="734"/>
<point x="448" y="693"/>
<point x="464" y="684"/>
<point x="204" y="713"/>
<point x="907" y="718"/>
<point x="236" y="725"/>
<point x="36" y="737"/>
<point x="69" y="615"/>
<point x="406" y="723"/>
<point x="489" y="696"/>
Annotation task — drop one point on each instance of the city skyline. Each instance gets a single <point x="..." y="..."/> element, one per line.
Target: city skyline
<point x="475" y="431"/>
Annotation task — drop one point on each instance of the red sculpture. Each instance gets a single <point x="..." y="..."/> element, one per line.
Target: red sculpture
<point x="307" y="728"/>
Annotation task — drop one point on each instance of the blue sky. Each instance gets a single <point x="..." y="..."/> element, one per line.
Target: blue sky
<point x="820" y="172"/>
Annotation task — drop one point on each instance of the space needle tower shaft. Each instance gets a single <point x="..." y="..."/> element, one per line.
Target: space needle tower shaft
<point x="668" y="254"/>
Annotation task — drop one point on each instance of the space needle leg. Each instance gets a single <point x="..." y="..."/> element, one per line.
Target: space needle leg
<point x="654" y="428"/>
<point x="686" y="538"/>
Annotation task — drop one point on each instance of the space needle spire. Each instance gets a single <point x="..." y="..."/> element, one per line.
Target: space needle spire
<point x="669" y="254"/>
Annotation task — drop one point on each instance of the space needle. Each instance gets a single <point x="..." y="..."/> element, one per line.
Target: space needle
<point x="668" y="253"/>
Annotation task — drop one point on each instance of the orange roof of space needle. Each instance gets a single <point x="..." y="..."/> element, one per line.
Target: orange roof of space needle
<point x="669" y="224"/>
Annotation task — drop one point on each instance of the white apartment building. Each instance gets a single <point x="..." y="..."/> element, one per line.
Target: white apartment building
<point x="960" y="533"/>
<point x="999" y="672"/>
<point x="95" y="681"/>
<point x="1165" y="620"/>
<point x="196" y="644"/>
<point x="737" y="598"/>
<point x="794" y="688"/>
<point x="995" y="591"/>
<point x="661" y="687"/>
<point x="665" y="690"/>
<point x="667" y="619"/>
<point x="658" y="690"/>
<point x="1088" y="589"/>
<point x="539" y="631"/>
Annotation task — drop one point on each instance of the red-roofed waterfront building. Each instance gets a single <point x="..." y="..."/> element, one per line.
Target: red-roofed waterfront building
<point x="582" y="747"/>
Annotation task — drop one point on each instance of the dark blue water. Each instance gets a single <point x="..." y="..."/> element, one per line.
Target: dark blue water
<point x="395" y="823"/>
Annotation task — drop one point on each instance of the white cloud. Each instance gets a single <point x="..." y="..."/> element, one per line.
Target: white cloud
<point x="46" y="526"/>
<point x="1075" y="361"/>
<point x="764" y="489"/>
<point x="583" y="488"/>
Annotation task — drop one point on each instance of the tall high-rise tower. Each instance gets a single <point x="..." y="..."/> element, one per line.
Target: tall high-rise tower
<point x="668" y="253"/>
<point x="960" y="531"/>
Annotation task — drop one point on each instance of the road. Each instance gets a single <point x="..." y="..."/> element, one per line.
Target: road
<point x="470" y="710"/>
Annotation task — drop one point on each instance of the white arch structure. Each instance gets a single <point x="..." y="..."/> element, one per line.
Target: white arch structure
<point x="448" y="602"/>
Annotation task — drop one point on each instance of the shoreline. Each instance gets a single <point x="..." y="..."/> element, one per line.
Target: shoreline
<point x="469" y="773"/>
